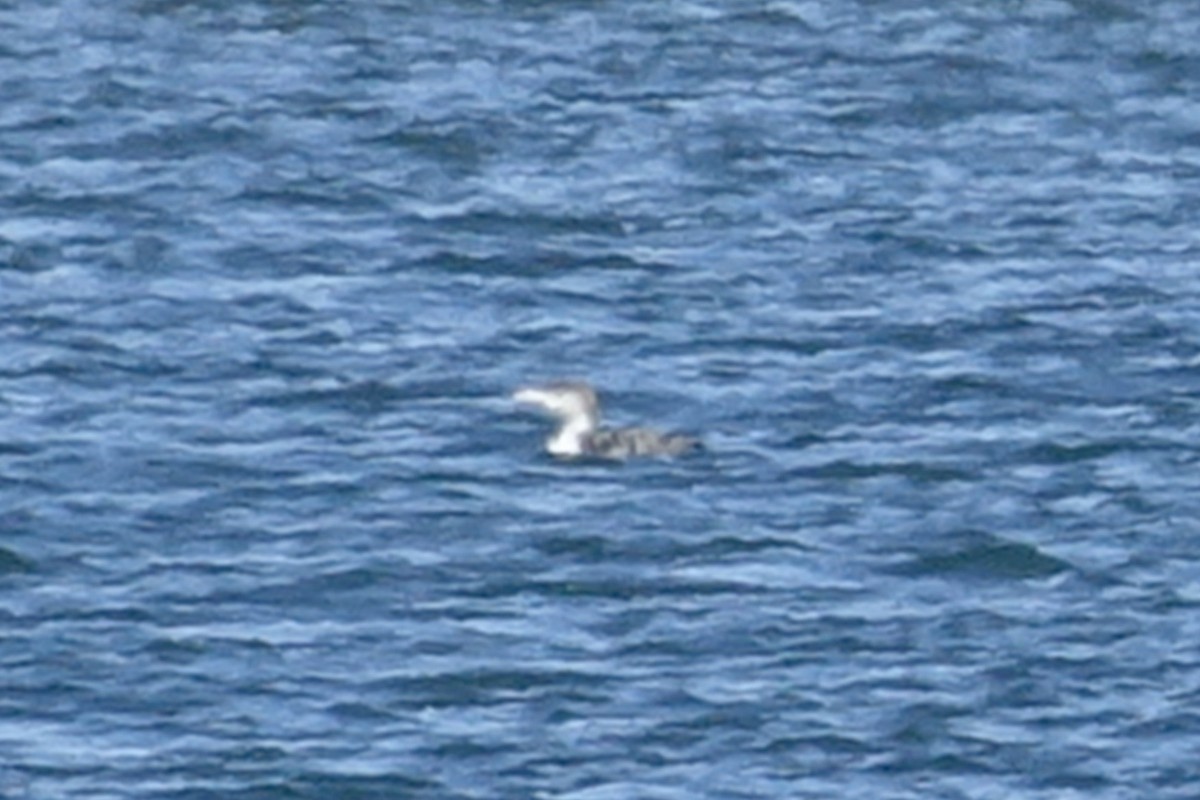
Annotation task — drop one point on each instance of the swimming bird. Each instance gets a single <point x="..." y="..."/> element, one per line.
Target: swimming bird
<point x="577" y="408"/>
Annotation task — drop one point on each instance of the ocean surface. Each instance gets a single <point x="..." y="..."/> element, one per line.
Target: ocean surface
<point x="925" y="277"/>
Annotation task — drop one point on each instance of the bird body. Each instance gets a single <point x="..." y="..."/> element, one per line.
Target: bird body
<point x="577" y="408"/>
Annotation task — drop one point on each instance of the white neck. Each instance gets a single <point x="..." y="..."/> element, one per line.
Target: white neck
<point x="568" y="441"/>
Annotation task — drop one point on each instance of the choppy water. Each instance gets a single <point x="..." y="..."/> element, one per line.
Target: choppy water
<point x="923" y="276"/>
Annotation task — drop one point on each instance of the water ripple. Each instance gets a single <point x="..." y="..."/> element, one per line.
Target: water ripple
<point x="922" y="280"/>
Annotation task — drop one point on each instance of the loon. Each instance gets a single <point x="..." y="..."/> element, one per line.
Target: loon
<point x="575" y="405"/>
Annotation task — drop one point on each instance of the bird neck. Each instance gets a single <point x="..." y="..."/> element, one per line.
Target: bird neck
<point x="568" y="440"/>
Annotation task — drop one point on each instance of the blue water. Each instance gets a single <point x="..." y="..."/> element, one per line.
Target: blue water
<point x="922" y="275"/>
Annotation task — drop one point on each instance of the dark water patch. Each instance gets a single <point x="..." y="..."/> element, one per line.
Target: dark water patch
<point x="18" y="449"/>
<point x="347" y="585"/>
<point x="185" y="140"/>
<point x="113" y="207"/>
<point x="745" y="354"/>
<point x="972" y="385"/>
<point x="534" y="225"/>
<point x="918" y="472"/>
<point x="1062" y="453"/>
<point x="202" y="648"/>
<point x="284" y="261"/>
<point x="975" y="626"/>
<point x="274" y="311"/>
<point x="123" y="614"/>
<point x="311" y="784"/>
<point x="832" y="746"/>
<point x="722" y="546"/>
<point x="366" y="397"/>
<point x="13" y="563"/>
<point x="640" y="548"/>
<point x="190" y="470"/>
<point x="29" y="257"/>
<point x="978" y="554"/>
<point x="468" y="750"/>
<point x="581" y="548"/>
<point x="315" y="786"/>
<point x="64" y="368"/>
<point x="489" y="687"/>
<point x="333" y="195"/>
<point x="304" y="336"/>
<point x="461" y="149"/>
<point x="541" y="262"/>
<point x="360" y="712"/>
<point x="616" y="588"/>
<point x="173" y="651"/>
